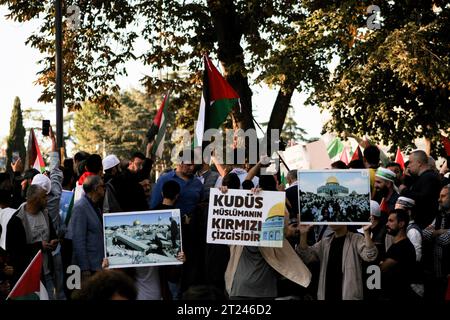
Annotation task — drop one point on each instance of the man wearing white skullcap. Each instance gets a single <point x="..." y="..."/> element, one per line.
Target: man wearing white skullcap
<point x="43" y="181"/>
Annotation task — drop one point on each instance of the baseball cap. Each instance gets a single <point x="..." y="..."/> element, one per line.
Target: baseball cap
<point x="110" y="161"/>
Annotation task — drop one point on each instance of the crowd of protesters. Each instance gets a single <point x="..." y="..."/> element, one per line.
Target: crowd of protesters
<point x="408" y="238"/>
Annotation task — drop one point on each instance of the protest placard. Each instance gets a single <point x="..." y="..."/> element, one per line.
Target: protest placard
<point x="145" y="238"/>
<point x="295" y="157"/>
<point x="317" y="155"/>
<point x="334" y="196"/>
<point x="242" y="218"/>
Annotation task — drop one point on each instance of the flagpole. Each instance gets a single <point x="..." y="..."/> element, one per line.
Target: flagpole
<point x="23" y="274"/>
<point x="59" y="76"/>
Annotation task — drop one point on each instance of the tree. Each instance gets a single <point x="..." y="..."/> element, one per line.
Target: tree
<point x="121" y="131"/>
<point x="291" y="131"/>
<point x="16" y="138"/>
<point x="385" y="80"/>
<point x="243" y="35"/>
<point x="392" y="83"/>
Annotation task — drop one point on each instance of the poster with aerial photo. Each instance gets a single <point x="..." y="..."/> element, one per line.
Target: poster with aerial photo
<point x="145" y="238"/>
<point x="334" y="196"/>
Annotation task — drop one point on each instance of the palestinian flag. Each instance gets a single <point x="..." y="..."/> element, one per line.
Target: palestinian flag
<point x="335" y="147"/>
<point x="357" y="155"/>
<point x="218" y="99"/>
<point x="158" y="128"/>
<point x="446" y="143"/>
<point x="399" y="158"/>
<point x="34" y="156"/>
<point x="344" y="157"/>
<point x="29" y="286"/>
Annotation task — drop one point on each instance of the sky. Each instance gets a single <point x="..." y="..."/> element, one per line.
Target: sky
<point x="19" y="64"/>
<point x="353" y="180"/>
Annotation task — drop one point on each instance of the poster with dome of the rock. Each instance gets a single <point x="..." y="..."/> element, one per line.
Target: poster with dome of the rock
<point x="143" y="238"/>
<point x="240" y="217"/>
<point x="334" y="197"/>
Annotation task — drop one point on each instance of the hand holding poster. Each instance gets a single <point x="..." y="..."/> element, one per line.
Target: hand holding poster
<point x="240" y="217"/>
<point x="145" y="238"/>
<point x="334" y="197"/>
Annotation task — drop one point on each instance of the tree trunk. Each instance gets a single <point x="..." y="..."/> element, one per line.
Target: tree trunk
<point x="231" y="55"/>
<point x="427" y="146"/>
<point x="281" y="107"/>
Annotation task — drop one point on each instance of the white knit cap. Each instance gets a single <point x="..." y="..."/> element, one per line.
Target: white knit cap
<point x="43" y="181"/>
<point x="110" y="162"/>
<point x="375" y="209"/>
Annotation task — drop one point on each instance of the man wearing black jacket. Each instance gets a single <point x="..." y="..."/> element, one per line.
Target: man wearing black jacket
<point x="425" y="189"/>
<point x="30" y="230"/>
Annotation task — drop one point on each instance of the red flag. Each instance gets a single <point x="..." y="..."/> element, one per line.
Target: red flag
<point x="30" y="280"/>
<point x="344" y="157"/>
<point x="357" y="155"/>
<point x="446" y="143"/>
<point x="399" y="158"/>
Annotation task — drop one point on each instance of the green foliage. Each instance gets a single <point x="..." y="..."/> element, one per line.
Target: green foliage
<point x="291" y="130"/>
<point x="16" y="138"/>
<point x="393" y="83"/>
<point x="121" y="131"/>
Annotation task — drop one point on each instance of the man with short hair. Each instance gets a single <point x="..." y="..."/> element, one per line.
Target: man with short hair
<point x="94" y="167"/>
<point x="384" y="188"/>
<point x="292" y="193"/>
<point x="208" y="179"/>
<point x="437" y="237"/>
<point x="191" y="188"/>
<point x="425" y="189"/>
<point x="399" y="261"/>
<point x="86" y="227"/>
<point x="414" y="234"/>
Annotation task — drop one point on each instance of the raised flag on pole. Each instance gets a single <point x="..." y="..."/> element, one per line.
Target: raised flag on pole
<point x="29" y="286"/>
<point x="159" y="126"/>
<point x="34" y="156"/>
<point x="218" y="99"/>
<point x="399" y="158"/>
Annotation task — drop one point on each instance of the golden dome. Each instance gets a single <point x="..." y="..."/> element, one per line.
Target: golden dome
<point x="332" y="180"/>
<point x="136" y="223"/>
<point x="276" y="211"/>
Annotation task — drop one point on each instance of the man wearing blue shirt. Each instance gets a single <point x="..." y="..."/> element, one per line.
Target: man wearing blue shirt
<point x="191" y="187"/>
